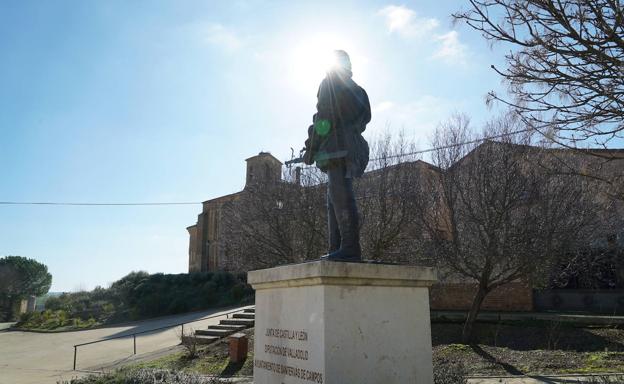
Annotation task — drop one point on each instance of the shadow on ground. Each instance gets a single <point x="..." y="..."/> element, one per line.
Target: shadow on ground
<point x="510" y="369"/>
<point x="525" y="336"/>
<point x="162" y="324"/>
<point x="232" y="369"/>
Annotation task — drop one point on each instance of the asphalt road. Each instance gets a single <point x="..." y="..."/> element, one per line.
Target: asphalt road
<point x="45" y="358"/>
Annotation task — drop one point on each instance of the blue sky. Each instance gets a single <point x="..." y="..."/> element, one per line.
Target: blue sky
<point x="144" y="101"/>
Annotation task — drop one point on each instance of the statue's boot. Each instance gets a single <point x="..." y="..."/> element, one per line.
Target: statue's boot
<point x="350" y="238"/>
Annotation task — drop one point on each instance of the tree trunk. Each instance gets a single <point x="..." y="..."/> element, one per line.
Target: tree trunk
<point x="474" y="311"/>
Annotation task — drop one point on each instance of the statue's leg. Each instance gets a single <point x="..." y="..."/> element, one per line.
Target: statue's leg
<point x="340" y="190"/>
<point x="333" y="234"/>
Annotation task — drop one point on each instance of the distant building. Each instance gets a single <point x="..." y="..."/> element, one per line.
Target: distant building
<point x="208" y="250"/>
<point x="206" y="244"/>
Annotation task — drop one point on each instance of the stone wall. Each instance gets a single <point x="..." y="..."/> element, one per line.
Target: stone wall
<point x="605" y="301"/>
<point x="516" y="296"/>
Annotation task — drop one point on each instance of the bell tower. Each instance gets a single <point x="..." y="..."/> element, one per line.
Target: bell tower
<point x="262" y="169"/>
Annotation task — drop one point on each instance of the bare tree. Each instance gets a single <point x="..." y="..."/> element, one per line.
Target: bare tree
<point x="277" y="222"/>
<point x="589" y="268"/>
<point x="565" y="69"/>
<point x="189" y="342"/>
<point x="286" y="221"/>
<point x="497" y="215"/>
<point x="386" y="198"/>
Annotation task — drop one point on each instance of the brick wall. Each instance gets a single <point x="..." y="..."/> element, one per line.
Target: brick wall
<point x="516" y="296"/>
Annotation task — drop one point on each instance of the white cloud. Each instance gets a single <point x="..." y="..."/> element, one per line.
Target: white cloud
<point x="451" y="49"/>
<point x="418" y="118"/>
<point x="219" y="35"/>
<point x="405" y="21"/>
<point x="383" y="106"/>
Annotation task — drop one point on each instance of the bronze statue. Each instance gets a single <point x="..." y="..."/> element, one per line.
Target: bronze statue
<point x="336" y="144"/>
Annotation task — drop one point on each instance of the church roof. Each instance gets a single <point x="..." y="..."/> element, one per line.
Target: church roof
<point x="264" y="154"/>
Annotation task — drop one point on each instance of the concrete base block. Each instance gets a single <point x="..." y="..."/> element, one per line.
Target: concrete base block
<point x="336" y="323"/>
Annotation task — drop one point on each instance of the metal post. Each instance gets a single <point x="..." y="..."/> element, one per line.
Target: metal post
<point x="75" y="352"/>
<point x="182" y="329"/>
<point x="134" y="337"/>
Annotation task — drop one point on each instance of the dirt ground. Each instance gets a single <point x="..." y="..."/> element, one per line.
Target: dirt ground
<point x="531" y="348"/>
<point x="499" y="349"/>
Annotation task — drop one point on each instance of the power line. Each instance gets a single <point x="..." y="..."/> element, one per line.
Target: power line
<point x="421" y="151"/>
<point x="457" y="144"/>
<point x="305" y="167"/>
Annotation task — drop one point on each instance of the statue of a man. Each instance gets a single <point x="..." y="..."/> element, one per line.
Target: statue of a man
<point x="336" y="144"/>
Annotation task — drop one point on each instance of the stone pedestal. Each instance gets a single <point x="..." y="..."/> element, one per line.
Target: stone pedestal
<point x="339" y="323"/>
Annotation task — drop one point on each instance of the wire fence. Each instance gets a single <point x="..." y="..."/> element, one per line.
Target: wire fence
<point x="135" y="334"/>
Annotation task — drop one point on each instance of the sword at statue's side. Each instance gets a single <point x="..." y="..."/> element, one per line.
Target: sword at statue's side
<point x="322" y="157"/>
<point x="295" y="160"/>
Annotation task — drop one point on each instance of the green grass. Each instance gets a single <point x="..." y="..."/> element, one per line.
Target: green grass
<point x="451" y="348"/>
<point x="208" y="362"/>
<point x="601" y="362"/>
<point x="205" y="365"/>
<point x="143" y="376"/>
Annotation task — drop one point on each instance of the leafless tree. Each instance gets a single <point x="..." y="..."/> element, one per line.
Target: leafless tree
<point x="589" y="268"/>
<point x="278" y="222"/>
<point x="386" y="198"/>
<point x="286" y="222"/>
<point x="565" y="66"/>
<point x="496" y="215"/>
<point x="189" y="342"/>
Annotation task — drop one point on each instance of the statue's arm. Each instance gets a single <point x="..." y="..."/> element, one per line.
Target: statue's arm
<point x="321" y="121"/>
<point x="366" y="115"/>
<point x="324" y="102"/>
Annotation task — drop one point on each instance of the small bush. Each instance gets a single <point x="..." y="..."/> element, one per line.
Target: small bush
<point x="139" y="296"/>
<point x="238" y="292"/>
<point x="189" y="342"/>
<point x="47" y="319"/>
<point x="146" y="376"/>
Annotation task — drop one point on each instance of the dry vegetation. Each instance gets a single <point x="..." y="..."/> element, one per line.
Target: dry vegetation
<point x="529" y="348"/>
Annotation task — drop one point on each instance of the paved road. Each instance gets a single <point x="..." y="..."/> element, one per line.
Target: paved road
<point x="42" y="358"/>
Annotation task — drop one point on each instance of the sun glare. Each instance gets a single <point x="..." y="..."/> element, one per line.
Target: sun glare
<point x="312" y="57"/>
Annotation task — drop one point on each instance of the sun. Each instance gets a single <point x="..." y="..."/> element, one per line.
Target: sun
<point x="312" y="57"/>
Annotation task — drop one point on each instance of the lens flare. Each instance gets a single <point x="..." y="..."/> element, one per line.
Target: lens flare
<point x="313" y="57"/>
<point x="322" y="127"/>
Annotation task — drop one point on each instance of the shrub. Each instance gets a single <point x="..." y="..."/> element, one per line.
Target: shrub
<point x="238" y="292"/>
<point x="189" y="342"/>
<point x="140" y="295"/>
<point x="53" y="303"/>
<point x="146" y="376"/>
<point x="47" y="319"/>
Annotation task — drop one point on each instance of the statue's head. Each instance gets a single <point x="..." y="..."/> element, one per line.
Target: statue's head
<point x="341" y="63"/>
<point x="342" y="60"/>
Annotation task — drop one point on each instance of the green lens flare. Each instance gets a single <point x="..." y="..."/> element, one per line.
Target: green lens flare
<point x="322" y="127"/>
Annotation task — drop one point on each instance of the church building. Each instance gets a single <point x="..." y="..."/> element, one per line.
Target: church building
<point x="206" y="248"/>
